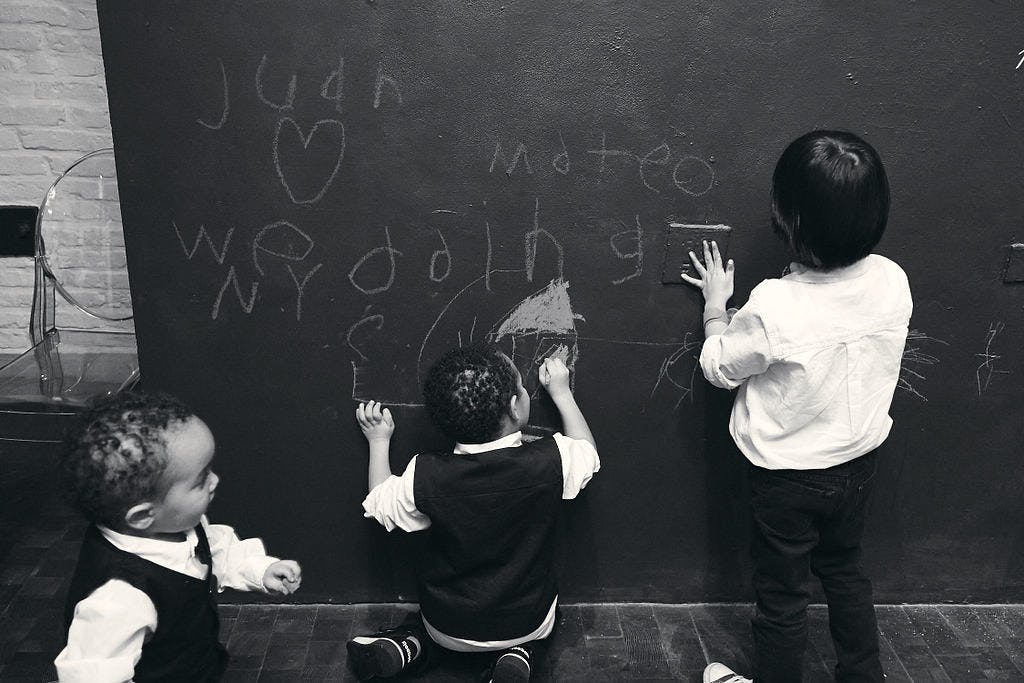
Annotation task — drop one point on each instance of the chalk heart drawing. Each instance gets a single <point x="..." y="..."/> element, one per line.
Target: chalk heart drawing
<point x="333" y="132"/>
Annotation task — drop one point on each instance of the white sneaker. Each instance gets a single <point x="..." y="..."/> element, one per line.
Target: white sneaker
<point x="720" y="673"/>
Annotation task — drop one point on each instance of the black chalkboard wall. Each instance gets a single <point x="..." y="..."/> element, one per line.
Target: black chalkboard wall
<point x="320" y="197"/>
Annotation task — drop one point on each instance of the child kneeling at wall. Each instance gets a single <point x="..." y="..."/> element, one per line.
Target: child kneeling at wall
<point x="491" y="504"/>
<point x="816" y="356"/>
<point x="142" y="600"/>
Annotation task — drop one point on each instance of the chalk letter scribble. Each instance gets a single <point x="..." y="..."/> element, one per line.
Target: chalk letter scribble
<point x="913" y="355"/>
<point x="390" y="254"/>
<point x="638" y="235"/>
<point x="201" y="235"/>
<point x="247" y="306"/>
<point x="983" y="375"/>
<point x="289" y="99"/>
<point x="224" y="111"/>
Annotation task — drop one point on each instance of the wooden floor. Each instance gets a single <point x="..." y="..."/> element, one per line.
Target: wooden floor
<point x="600" y="642"/>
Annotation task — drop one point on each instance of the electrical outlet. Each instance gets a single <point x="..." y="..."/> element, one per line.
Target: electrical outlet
<point x="1013" y="270"/>
<point x="18" y="230"/>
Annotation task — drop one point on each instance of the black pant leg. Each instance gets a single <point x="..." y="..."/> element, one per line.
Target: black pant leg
<point x="836" y="563"/>
<point x="784" y="536"/>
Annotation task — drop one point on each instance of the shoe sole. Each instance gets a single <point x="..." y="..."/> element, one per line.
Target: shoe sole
<point x="365" y="660"/>
<point x="510" y="668"/>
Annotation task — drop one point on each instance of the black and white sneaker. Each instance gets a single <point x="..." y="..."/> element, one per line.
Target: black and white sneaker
<point x="383" y="654"/>
<point x="511" y="665"/>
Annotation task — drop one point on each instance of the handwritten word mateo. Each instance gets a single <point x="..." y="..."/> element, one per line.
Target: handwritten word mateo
<point x="660" y="168"/>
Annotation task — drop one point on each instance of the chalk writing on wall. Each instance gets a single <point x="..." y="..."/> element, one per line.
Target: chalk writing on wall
<point x="987" y="369"/>
<point x="915" y="362"/>
<point x="224" y="107"/>
<point x="658" y="169"/>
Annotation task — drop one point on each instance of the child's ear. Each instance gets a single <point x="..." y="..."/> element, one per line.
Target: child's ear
<point x="513" y="408"/>
<point x="139" y="517"/>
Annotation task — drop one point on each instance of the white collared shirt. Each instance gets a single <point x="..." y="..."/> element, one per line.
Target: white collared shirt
<point x="393" y="504"/>
<point x="816" y="356"/>
<point x="110" y="625"/>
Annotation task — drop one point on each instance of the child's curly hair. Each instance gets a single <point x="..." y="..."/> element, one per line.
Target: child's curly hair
<point x="467" y="392"/>
<point x="114" y="457"/>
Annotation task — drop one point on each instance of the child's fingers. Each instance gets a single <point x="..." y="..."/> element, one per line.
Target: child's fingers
<point x="708" y="263"/>
<point x="386" y="414"/>
<point x="730" y="267"/>
<point x="715" y="256"/>
<point x="360" y="414"/>
<point x="697" y="265"/>
<point x="691" y="280"/>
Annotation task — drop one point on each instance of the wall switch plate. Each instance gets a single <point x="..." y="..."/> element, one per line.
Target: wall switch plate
<point x="1013" y="269"/>
<point x="681" y="239"/>
<point x="18" y="230"/>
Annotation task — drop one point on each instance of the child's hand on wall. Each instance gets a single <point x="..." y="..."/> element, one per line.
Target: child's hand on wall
<point x="716" y="278"/>
<point x="283" y="577"/>
<point x="554" y="375"/>
<point x="376" y="423"/>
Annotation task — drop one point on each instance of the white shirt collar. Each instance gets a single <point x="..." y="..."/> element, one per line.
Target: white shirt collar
<point x="508" y="441"/>
<point x="801" y="273"/>
<point x="168" y="554"/>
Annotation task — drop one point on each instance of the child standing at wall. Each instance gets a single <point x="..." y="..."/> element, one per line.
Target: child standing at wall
<point x="816" y="357"/>
<point x="141" y="604"/>
<point x="487" y="580"/>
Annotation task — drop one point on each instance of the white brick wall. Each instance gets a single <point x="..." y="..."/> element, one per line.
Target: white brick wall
<point x="53" y="109"/>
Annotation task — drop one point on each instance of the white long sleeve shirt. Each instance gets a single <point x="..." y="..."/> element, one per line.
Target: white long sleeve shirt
<point x="110" y="625"/>
<point x="816" y="356"/>
<point x="393" y="504"/>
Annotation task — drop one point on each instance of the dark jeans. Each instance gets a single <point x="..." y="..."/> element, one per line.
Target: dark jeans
<point x="811" y="521"/>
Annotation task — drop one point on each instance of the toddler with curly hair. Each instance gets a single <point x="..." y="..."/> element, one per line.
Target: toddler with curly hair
<point x="490" y="505"/>
<point x="141" y="604"/>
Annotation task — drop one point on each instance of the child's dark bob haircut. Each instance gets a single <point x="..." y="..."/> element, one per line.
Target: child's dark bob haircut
<point x="115" y="456"/>
<point x="467" y="392"/>
<point x="830" y="198"/>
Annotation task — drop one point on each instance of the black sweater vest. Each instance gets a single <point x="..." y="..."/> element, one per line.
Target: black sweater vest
<point x="185" y="645"/>
<point x="488" y="570"/>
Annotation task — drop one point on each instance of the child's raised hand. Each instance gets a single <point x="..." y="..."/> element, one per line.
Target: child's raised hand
<point x="283" y="577"/>
<point x="716" y="278"/>
<point x="375" y="421"/>
<point x="554" y="375"/>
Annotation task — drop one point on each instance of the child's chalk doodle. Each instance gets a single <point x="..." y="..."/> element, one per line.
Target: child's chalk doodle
<point x="548" y="310"/>
<point x="1021" y="55"/>
<point x="668" y="369"/>
<point x="201" y="235"/>
<point x="510" y="166"/>
<point x="279" y="239"/>
<point x="378" y="89"/>
<point x="224" y="109"/>
<point x="631" y="235"/>
<point x="657" y="169"/>
<point x="913" y="355"/>
<point x="541" y="325"/>
<point x="333" y="88"/>
<point x="983" y="375"/>
<point x="335" y="146"/>
<point x="389" y="253"/>
<point x="289" y="100"/>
